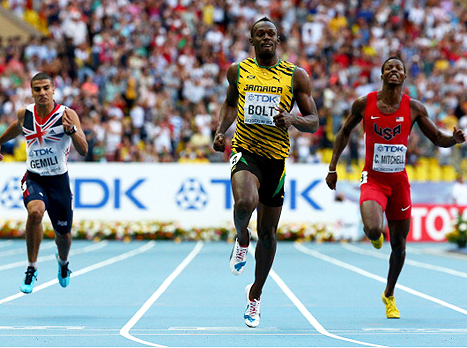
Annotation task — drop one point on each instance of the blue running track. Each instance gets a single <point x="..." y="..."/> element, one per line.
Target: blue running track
<point x="142" y="294"/>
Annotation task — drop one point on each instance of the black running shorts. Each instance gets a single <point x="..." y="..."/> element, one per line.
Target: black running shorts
<point x="270" y="173"/>
<point x="56" y="194"/>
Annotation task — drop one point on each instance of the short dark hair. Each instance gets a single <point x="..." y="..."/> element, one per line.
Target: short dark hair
<point x="263" y="19"/>
<point x="42" y="76"/>
<point x="390" y="58"/>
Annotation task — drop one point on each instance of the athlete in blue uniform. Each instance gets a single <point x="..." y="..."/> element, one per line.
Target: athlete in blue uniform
<point x="49" y="129"/>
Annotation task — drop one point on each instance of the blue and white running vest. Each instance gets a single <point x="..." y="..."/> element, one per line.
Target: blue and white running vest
<point x="47" y="144"/>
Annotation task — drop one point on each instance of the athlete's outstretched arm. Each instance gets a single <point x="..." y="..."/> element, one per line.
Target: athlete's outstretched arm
<point x="431" y="131"/>
<point x="309" y="121"/>
<point x="342" y="138"/>
<point x="69" y="119"/>
<point x="228" y="111"/>
<point x="13" y="130"/>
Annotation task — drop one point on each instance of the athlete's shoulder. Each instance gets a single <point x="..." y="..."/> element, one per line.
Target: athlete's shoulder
<point x="20" y="114"/>
<point x="358" y="106"/>
<point x="417" y="106"/>
<point x="288" y="65"/>
<point x="62" y="108"/>
<point x="29" y="107"/>
<point x="232" y="73"/>
<point x="414" y="103"/>
<point x="247" y="61"/>
<point x="362" y="100"/>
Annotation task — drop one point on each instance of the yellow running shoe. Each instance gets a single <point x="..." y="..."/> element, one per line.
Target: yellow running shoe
<point x="378" y="243"/>
<point x="391" y="310"/>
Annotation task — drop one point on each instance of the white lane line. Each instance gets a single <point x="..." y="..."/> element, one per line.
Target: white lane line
<point x="44" y="246"/>
<point x="305" y="312"/>
<point x="378" y="278"/>
<point x="41" y="328"/>
<point x="125" y="331"/>
<point x="83" y="250"/>
<point x="438" y="252"/>
<point x="428" y="266"/>
<point x="85" y="270"/>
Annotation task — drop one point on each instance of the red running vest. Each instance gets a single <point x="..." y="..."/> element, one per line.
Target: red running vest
<point x="386" y="136"/>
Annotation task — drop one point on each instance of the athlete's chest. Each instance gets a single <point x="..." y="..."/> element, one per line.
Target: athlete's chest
<point x="263" y="81"/>
<point x="388" y="123"/>
<point x="386" y="127"/>
<point x="41" y="132"/>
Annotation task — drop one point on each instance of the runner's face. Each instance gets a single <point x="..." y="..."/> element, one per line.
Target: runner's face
<point x="393" y="72"/>
<point x="265" y="39"/>
<point x="42" y="92"/>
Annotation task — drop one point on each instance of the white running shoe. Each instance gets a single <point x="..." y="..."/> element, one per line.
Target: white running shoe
<point x="252" y="313"/>
<point x="238" y="257"/>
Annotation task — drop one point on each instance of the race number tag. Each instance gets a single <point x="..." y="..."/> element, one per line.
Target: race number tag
<point x="259" y="108"/>
<point x="234" y="159"/>
<point x="389" y="158"/>
<point x="364" y="178"/>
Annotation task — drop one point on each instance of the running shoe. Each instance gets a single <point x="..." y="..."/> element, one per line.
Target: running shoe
<point x="63" y="273"/>
<point x="238" y="257"/>
<point x="378" y="243"/>
<point x="28" y="282"/>
<point x="252" y="311"/>
<point x="391" y="310"/>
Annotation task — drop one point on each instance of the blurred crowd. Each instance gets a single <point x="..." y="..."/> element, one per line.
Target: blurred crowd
<point x="147" y="78"/>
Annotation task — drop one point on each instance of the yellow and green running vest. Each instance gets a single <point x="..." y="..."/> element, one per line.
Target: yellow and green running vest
<point x="260" y="90"/>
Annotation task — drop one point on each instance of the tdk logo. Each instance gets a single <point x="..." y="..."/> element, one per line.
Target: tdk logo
<point x="391" y="148"/>
<point x="40" y="152"/>
<point x="264" y="98"/>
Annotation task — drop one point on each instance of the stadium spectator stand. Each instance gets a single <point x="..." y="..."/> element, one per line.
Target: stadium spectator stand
<point x="148" y="77"/>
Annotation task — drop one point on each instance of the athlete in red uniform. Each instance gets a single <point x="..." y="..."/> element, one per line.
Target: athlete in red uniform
<point x="388" y="116"/>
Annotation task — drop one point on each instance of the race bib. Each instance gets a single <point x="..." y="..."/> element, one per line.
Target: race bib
<point x="259" y="108"/>
<point x="234" y="159"/>
<point x="364" y="178"/>
<point x="389" y="158"/>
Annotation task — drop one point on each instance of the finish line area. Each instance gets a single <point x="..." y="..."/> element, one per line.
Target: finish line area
<point x="147" y="293"/>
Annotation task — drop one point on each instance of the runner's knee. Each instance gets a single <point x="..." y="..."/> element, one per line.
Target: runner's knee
<point x="245" y="206"/>
<point x="373" y="232"/>
<point x="267" y="237"/>
<point x="35" y="215"/>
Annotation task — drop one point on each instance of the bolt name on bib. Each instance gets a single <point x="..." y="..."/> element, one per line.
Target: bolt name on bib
<point x="259" y="108"/>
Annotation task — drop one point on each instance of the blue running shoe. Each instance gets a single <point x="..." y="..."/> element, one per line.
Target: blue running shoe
<point x="252" y="311"/>
<point x="28" y="282"/>
<point x="63" y="273"/>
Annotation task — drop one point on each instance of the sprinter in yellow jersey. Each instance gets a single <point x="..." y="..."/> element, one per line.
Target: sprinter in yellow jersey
<point x="260" y="96"/>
